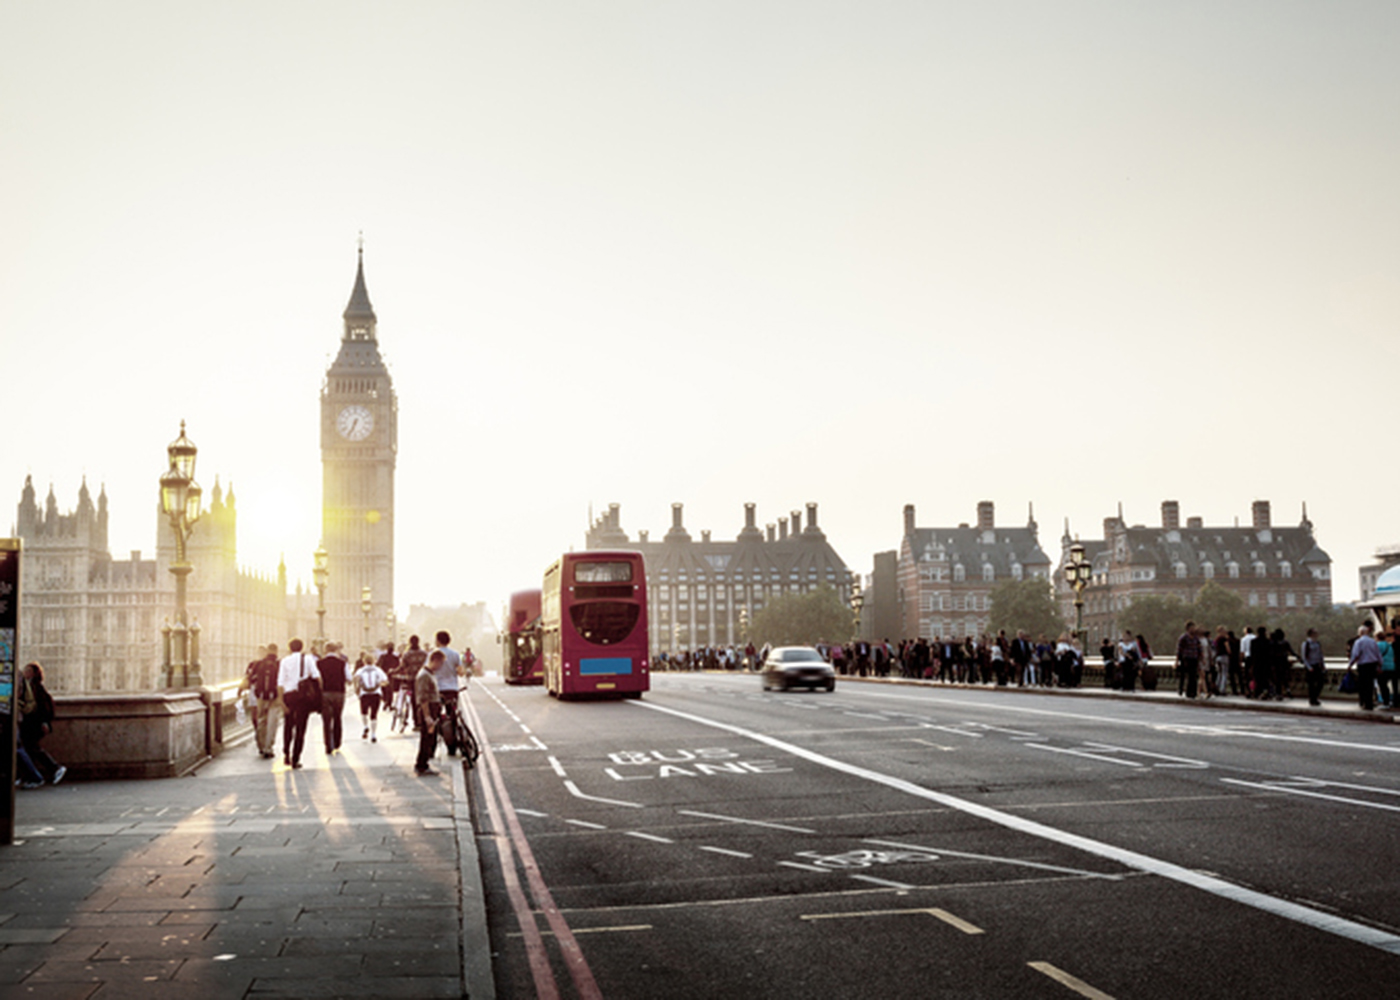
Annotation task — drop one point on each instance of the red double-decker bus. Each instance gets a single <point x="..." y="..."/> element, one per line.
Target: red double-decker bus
<point x="593" y="625"/>
<point x="522" y="639"/>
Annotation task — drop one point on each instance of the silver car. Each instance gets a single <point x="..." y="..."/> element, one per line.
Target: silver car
<point x="797" y="666"/>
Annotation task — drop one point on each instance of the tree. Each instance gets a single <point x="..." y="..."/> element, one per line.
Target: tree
<point x="1214" y="605"/>
<point x="1027" y="605"/>
<point x="804" y="619"/>
<point x="1158" y="619"/>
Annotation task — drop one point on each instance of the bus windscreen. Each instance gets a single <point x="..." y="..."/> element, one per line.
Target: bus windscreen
<point x="604" y="622"/>
<point x="602" y="572"/>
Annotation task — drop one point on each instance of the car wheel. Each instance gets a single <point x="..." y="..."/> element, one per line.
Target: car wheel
<point x="830" y="686"/>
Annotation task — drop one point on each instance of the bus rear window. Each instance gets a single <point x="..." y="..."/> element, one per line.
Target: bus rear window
<point x="605" y="622"/>
<point x="602" y="572"/>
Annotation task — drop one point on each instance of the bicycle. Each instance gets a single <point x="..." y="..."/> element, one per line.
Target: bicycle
<point x="402" y="709"/>
<point x="456" y="735"/>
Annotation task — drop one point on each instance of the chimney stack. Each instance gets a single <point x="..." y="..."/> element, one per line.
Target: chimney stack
<point x="811" y="517"/>
<point x="771" y="530"/>
<point x="909" y="519"/>
<point x="676" y="510"/>
<point x="1171" y="515"/>
<point x="705" y="534"/>
<point x="986" y="518"/>
<point x="749" y="516"/>
<point x="1195" y="523"/>
<point x="782" y="528"/>
<point x="797" y="522"/>
<point x="1261" y="514"/>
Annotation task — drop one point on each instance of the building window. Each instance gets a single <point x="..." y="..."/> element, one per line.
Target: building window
<point x="1180" y="571"/>
<point x="988" y="572"/>
<point x="1208" y="570"/>
<point x="1285" y="569"/>
<point x="959" y="573"/>
<point x="1260" y="569"/>
<point x="1232" y="570"/>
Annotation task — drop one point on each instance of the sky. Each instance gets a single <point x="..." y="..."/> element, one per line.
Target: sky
<point x="861" y="254"/>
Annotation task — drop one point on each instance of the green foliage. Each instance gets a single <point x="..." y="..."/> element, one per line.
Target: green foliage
<point x="1026" y="604"/>
<point x="803" y="619"/>
<point x="1157" y="619"/>
<point x="1161" y="619"/>
<point x="1214" y="605"/>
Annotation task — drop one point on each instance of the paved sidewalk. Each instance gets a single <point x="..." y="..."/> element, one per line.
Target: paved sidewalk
<point x="351" y="877"/>
<point x="1331" y="708"/>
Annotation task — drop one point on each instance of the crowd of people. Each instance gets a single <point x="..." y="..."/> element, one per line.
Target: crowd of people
<point x="1259" y="663"/>
<point x="289" y="690"/>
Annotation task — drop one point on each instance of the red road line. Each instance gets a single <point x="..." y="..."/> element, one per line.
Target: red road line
<point x="543" y="975"/>
<point x="574" y="961"/>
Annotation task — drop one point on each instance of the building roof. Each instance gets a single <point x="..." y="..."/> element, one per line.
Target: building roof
<point x="359" y="306"/>
<point x="1002" y="547"/>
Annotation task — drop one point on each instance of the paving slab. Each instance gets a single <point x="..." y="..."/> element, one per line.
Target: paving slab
<point x="344" y="878"/>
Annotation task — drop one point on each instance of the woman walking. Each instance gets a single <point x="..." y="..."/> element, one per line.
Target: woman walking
<point x="36" y="721"/>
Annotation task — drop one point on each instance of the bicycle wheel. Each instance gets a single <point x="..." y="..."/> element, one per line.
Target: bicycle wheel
<point x="471" y="750"/>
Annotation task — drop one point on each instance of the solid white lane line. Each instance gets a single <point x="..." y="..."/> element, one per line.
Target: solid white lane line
<point x="805" y="868"/>
<point x="558" y="767"/>
<point x="884" y="881"/>
<point x="648" y="836"/>
<point x="583" y="823"/>
<point x="1308" y="916"/>
<point x="1084" y="753"/>
<point x="948" y="918"/>
<point x="1073" y="982"/>
<point x="1003" y="861"/>
<point x="536" y="741"/>
<point x="952" y="729"/>
<point x="529" y="812"/>
<point x="1318" y="782"/>
<point x="574" y="791"/>
<point x="1312" y="795"/>
<point x="1177" y="727"/>
<point x="725" y="851"/>
<point x="1185" y="761"/>
<point x="747" y="822"/>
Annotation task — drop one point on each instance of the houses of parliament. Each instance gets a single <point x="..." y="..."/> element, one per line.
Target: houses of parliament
<point x="97" y="617"/>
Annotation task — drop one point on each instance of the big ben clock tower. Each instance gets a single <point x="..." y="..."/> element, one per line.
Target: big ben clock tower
<point x="359" y="440"/>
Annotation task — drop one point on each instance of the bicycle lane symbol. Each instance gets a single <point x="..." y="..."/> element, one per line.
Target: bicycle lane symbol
<point x="858" y="859"/>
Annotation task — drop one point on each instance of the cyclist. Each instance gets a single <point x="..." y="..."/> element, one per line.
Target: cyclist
<point x="449" y="674"/>
<point x="409" y="664"/>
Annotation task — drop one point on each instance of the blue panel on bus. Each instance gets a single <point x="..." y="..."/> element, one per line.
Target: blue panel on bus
<point x="606" y="665"/>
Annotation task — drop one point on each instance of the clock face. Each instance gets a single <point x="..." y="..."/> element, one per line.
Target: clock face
<point x="354" y="423"/>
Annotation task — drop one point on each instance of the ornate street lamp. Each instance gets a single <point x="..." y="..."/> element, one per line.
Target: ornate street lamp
<point x="180" y="498"/>
<point x="320" y="573"/>
<point x="857" y="602"/>
<point x="391" y="623"/>
<point x="1078" y="572"/>
<point x="366" y="605"/>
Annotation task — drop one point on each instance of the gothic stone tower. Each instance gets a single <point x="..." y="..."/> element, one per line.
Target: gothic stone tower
<point x="359" y="440"/>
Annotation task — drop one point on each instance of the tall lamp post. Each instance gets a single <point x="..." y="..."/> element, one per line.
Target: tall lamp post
<point x="1078" y="572"/>
<point x="180" y="499"/>
<point x="857" y="603"/>
<point x="320" y="572"/>
<point x="366" y="605"/>
<point x="392" y="624"/>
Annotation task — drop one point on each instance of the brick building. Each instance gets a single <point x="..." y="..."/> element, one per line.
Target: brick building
<point x="697" y="589"/>
<point x="1278" y="568"/>
<point x="945" y="576"/>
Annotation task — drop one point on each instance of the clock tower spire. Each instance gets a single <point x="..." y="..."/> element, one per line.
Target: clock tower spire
<point x="359" y="444"/>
